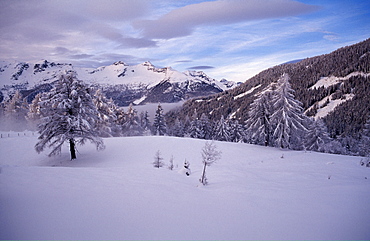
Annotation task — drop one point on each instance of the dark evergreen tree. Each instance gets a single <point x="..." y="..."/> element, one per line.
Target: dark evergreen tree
<point x="69" y="115"/>
<point x="159" y="123"/>
<point x="145" y="123"/>
<point x="365" y="139"/>
<point x="158" y="160"/>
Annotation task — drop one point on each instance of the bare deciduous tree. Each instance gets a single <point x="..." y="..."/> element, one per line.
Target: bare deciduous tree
<point x="210" y="154"/>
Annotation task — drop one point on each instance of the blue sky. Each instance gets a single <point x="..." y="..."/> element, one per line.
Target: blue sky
<point x="232" y="39"/>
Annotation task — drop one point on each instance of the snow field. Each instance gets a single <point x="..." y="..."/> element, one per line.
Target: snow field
<point x="253" y="193"/>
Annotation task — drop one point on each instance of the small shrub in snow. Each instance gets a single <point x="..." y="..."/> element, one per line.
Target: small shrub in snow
<point x="365" y="162"/>
<point x="158" y="160"/>
<point x="210" y="154"/>
<point x="171" y="164"/>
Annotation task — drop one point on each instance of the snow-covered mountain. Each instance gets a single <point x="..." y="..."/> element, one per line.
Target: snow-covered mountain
<point x="126" y="84"/>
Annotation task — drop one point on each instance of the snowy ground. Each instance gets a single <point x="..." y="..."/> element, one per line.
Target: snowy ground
<point x="253" y="193"/>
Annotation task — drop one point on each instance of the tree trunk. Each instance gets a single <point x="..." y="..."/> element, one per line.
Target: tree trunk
<point x="72" y="148"/>
<point x="204" y="174"/>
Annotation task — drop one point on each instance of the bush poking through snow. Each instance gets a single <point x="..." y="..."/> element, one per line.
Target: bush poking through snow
<point x="171" y="163"/>
<point x="365" y="162"/>
<point x="158" y="160"/>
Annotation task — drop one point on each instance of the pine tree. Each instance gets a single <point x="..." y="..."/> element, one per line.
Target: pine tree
<point x="210" y="154"/>
<point x="69" y="115"/>
<point x="195" y="128"/>
<point x="258" y="125"/>
<point x="159" y="124"/>
<point x="287" y="120"/>
<point x="206" y="126"/>
<point x="131" y="126"/>
<point x="15" y="112"/>
<point x="107" y="118"/>
<point x="178" y="128"/>
<point x="237" y="132"/>
<point x="365" y="139"/>
<point x="222" y="130"/>
<point x="34" y="114"/>
<point x="158" y="160"/>
<point x="145" y="123"/>
<point x="317" y="136"/>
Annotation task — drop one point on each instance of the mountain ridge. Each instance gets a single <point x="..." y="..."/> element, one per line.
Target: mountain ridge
<point x="124" y="83"/>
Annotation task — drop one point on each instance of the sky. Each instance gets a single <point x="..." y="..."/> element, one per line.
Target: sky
<point x="232" y="39"/>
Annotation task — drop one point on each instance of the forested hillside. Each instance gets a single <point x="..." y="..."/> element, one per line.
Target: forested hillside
<point x="333" y="86"/>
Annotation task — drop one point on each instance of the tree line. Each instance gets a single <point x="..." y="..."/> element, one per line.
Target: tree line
<point x="75" y="113"/>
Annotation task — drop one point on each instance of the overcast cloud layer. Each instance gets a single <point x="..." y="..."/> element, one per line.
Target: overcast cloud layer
<point x="182" y="21"/>
<point x="231" y="39"/>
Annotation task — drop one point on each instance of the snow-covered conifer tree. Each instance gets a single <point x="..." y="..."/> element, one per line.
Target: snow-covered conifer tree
<point x="131" y="126"/>
<point x="34" y="114"/>
<point x="178" y="128"/>
<point x="210" y="154"/>
<point x="317" y="136"/>
<point x="69" y="115"/>
<point x="206" y="127"/>
<point x="107" y="118"/>
<point x="159" y="123"/>
<point x="15" y="112"/>
<point x="145" y="123"/>
<point x="287" y="120"/>
<point x="258" y="124"/>
<point x="195" y="128"/>
<point x="237" y="132"/>
<point x="222" y="130"/>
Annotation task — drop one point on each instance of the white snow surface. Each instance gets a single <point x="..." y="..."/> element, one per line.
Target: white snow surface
<point x="247" y="92"/>
<point x="117" y="194"/>
<point x="324" y="111"/>
<point x="332" y="80"/>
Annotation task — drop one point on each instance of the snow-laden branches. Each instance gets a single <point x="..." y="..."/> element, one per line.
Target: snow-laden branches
<point x="69" y="114"/>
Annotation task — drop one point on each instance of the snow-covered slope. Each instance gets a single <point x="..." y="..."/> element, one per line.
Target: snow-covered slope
<point x="254" y="193"/>
<point x="124" y="83"/>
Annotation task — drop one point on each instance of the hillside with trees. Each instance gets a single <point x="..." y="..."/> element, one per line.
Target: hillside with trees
<point x="339" y="80"/>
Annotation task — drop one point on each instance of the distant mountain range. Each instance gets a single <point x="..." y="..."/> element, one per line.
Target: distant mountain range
<point x="125" y="84"/>
<point x="335" y="87"/>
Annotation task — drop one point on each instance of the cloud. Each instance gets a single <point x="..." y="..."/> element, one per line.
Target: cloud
<point x="183" y="61"/>
<point x="201" y="67"/>
<point x="31" y="29"/>
<point x="182" y="21"/>
<point x="81" y="56"/>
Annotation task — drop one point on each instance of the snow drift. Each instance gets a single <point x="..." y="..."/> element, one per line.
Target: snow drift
<point x="254" y="192"/>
